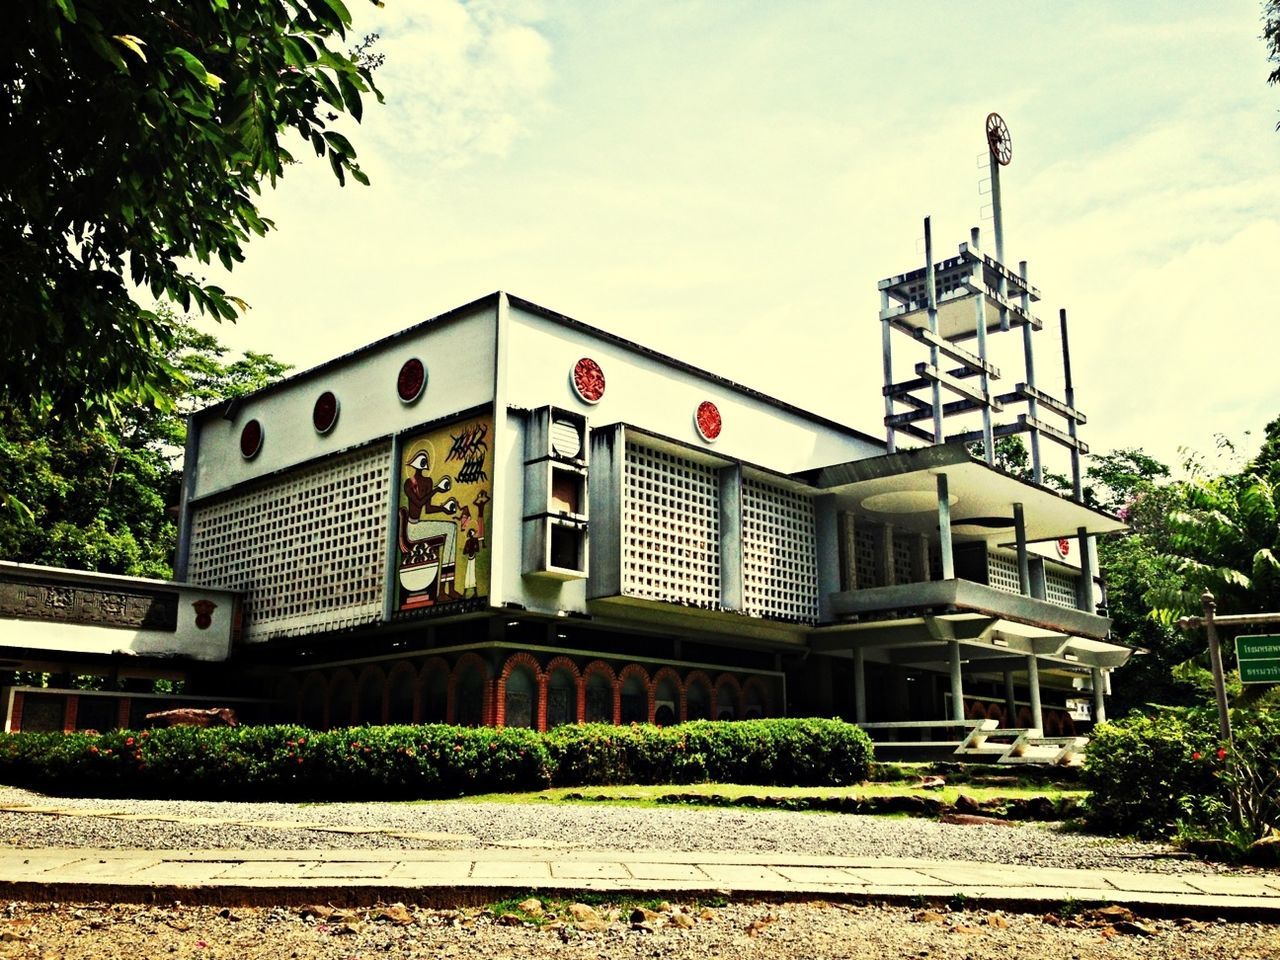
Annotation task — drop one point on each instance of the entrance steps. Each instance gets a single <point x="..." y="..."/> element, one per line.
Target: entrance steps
<point x="980" y="739"/>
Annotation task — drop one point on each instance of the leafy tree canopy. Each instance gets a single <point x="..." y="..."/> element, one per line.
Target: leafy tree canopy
<point x="103" y="498"/>
<point x="134" y="136"/>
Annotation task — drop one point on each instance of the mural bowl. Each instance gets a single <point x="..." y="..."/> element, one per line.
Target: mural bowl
<point x="420" y="577"/>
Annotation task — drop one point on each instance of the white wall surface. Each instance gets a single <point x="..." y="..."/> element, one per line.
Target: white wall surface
<point x="212" y="643"/>
<point x="655" y="396"/>
<point x="459" y="356"/>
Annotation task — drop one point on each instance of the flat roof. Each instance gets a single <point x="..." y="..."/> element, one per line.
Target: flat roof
<point x="491" y="300"/>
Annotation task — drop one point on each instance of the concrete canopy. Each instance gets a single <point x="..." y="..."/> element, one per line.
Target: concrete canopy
<point x="902" y="487"/>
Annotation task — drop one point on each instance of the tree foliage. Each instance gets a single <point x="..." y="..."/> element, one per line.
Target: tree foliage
<point x="135" y="137"/>
<point x="1206" y="532"/>
<point x="1271" y="36"/>
<point x="103" y="497"/>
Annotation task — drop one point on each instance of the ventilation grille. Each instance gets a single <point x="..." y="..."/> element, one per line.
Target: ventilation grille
<point x="671" y="529"/>
<point x="864" y="545"/>
<point x="1060" y="588"/>
<point x="779" y="553"/>
<point x="308" y="551"/>
<point x="903" y="568"/>
<point x="1002" y="573"/>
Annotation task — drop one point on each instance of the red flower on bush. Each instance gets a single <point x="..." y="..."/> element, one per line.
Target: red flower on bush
<point x="93" y="749"/>
<point x="1222" y="753"/>
<point x="128" y="741"/>
<point x="1195" y="755"/>
<point x="144" y="734"/>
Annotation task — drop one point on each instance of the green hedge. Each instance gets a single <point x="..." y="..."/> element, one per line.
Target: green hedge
<point x="790" y="752"/>
<point x="401" y="762"/>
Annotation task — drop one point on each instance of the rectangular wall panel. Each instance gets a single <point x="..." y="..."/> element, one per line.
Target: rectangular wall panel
<point x="308" y="549"/>
<point x="779" y="553"/>
<point x="670" y="529"/>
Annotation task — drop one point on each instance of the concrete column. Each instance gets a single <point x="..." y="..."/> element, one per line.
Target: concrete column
<point x="731" y="585"/>
<point x="848" y="551"/>
<point x="1020" y="535"/>
<point x="859" y="686"/>
<point x="888" y="570"/>
<point x="1033" y="684"/>
<point x="1099" y="696"/>
<point x="957" y="681"/>
<point x="944" y="529"/>
<point x="1010" y="700"/>
<point x="829" y="525"/>
<point x="1084" y="585"/>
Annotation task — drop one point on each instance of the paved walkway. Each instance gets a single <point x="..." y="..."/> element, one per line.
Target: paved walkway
<point x="451" y="877"/>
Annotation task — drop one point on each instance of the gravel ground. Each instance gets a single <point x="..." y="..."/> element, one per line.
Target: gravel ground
<point x="741" y="931"/>
<point x="589" y="826"/>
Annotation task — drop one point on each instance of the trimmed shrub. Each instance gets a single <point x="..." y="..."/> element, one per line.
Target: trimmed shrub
<point x="1153" y="776"/>
<point x="401" y="762"/>
<point x="1142" y="770"/>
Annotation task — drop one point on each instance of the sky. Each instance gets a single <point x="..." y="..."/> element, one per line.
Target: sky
<point x="727" y="182"/>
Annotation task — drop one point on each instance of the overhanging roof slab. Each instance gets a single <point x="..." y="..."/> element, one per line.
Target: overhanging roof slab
<point x="975" y="489"/>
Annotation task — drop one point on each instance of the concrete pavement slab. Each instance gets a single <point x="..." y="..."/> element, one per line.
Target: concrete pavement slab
<point x="524" y="871"/>
<point x="665" y="872"/>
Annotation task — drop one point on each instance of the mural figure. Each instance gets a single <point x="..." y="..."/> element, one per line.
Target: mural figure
<point x="434" y="529"/>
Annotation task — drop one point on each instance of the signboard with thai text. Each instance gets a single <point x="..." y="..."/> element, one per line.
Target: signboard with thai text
<point x="1259" y="659"/>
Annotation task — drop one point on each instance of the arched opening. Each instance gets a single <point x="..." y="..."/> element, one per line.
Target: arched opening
<point x="400" y="695"/>
<point x="521" y="699"/>
<point x="562" y="698"/>
<point x="342" y="696"/>
<point x="468" y="695"/>
<point x="599" y="698"/>
<point x="435" y="696"/>
<point x="311" y="713"/>
<point x="635" y="698"/>
<point x="369" y="697"/>
<point x="698" y="700"/>
<point x="726" y="705"/>
<point x="754" y="706"/>
<point x="666" y="703"/>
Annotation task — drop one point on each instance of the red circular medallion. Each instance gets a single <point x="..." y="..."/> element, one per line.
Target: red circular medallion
<point x="1064" y="547"/>
<point x="588" y="380"/>
<point x="412" y="380"/>
<point x="324" y="415"/>
<point x="250" y="439"/>
<point x="707" y="420"/>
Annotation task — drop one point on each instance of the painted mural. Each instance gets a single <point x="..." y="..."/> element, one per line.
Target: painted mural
<point x="445" y="487"/>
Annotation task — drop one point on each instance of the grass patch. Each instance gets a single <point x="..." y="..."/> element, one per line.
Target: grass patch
<point x="648" y="795"/>
<point x="557" y="908"/>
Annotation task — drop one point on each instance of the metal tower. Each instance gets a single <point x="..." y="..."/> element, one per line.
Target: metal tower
<point x="968" y="297"/>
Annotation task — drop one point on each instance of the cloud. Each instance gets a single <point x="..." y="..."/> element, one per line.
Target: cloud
<point x="462" y="81"/>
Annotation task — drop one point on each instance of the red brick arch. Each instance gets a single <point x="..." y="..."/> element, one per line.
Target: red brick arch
<point x="599" y="666"/>
<point x="579" y="688"/>
<point x="486" y="673"/>
<point x="340" y="678"/>
<point x="635" y="670"/>
<point x="735" y="686"/>
<point x="976" y="710"/>
<point x="700" y="678"/>
<point x="521" y="659"/>
<point x="402" y="668"/>
<point x="762" y="694"/>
